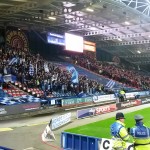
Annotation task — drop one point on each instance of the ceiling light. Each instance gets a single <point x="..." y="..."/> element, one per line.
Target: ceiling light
<point x="139" y="52"/>
<point x="68" y="4"/>
<point x="119" y="39"/>
<point x="93" y="28"/>
<point x="127" y="23"/>
<point x="89" y="9"/>
<point x="52" y="18"/>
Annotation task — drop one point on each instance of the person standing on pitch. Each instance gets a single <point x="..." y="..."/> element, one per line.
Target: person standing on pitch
<point x="140" y="134"/>
<point x="119" y="132"/>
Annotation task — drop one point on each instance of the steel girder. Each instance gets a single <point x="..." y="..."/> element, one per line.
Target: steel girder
<point x="142" y="6"/>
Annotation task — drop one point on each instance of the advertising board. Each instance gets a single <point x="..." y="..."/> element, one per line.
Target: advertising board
<point x="74" y="101"/>
<point x="101" y="98"/>
<point x="18" y="109"/>
<point x="129" y="104"/>
<point x="60" y="121"/>
<point x="145" y="100"/>
<point x="83" y="113"/>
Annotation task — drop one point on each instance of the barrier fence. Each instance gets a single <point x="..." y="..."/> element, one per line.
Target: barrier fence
<point x="80" y="142"/>
<point x="28" y="107"/>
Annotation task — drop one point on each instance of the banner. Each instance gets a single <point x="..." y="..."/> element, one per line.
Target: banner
<point x="31" y="69"/>
<point x="129" y="104"/>
<point x="74" y="101"/>
<point x="110" y="84"/>
<point x="145" y="100"/>
<point x="105" y="109"/>
<point x="101" y="98"/>
<point x="8" y="78"/>
<point x="83" y="113"/>
<point x="17" y="39"/>
<point x="107" y="144"/>
<point x="60" y="121"/>
<point x="13" y="60"/>
<point x="18" y="109"/>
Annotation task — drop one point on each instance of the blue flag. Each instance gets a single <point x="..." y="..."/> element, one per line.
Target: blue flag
<point x="110" y="84"/>
<point x="31" y="70"/>
<point x="13" y="60"/>
<point x="74" y="74"/>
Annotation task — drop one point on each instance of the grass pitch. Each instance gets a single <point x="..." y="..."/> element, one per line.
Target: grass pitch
<point x="101" y="129"/>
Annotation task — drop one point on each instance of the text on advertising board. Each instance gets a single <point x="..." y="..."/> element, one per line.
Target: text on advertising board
<point x="60" y="121"/>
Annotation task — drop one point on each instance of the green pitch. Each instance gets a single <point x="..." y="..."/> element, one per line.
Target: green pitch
<point x="102" y="128"/>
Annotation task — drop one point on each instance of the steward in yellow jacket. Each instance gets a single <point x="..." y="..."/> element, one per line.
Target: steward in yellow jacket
<point x="119" y="133"/>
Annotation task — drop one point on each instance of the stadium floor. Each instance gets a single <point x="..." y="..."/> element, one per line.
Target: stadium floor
<point x="25" y="134"/>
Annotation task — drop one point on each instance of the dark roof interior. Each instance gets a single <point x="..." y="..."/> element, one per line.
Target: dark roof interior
<point x="117" y="26"/>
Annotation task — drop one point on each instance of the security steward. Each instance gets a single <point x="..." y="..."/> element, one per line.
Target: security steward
<point x="119" y="133"/>
<point x="140" y="134"/>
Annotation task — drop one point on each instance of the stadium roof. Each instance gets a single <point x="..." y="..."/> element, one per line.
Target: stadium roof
<point x="118" y="26"/>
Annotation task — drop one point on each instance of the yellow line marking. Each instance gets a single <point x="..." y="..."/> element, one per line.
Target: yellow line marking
<point x="5" y="129"/>
<point x="36" y="124"/>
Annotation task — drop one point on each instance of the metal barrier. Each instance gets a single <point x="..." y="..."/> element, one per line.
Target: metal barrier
<point x="71" y="141"/>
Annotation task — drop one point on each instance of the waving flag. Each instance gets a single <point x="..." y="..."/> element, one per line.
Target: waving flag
<point x="74" y="74"/>
<point x="31" y="70"/>
<point x="46" y="69"/>
<point x="110" y="84"/>
<point x="13" y="60"/>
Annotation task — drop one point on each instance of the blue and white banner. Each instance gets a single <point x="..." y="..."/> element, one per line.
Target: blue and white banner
<point x="46" y="69"/>
<point x="31" y="70"/>
<point x="74" y="74"/>
<point x="7" y="78"/>
<point x="60" y="121"/>
<point x="13" y="60"/>
<point x="110" y="84"/>
<point x="102" y="98"/>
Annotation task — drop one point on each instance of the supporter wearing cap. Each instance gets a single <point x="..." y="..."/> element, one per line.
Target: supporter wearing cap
<point x="140" y="134"/>
<point x="119" y="132"/>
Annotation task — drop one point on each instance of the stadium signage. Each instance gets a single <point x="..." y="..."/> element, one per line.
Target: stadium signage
<point x="101" y="98"/>
<point x="74" y="101"/>
<point x="107" y="144"/>
<point x="146" y="100"/>
<point x="18" y="109"/>
<point x="129" y="104"/>
<point x="83" y="113"/>
<point x="60" y="121"/>
<point x="105" y="109"/>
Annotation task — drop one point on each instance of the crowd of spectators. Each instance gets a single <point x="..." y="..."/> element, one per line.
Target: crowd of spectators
<point x="129" y="77"/>
<point x="55" y="81"/>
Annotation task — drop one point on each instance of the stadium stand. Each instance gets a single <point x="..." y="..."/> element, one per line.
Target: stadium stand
<point x="129" y="77"/>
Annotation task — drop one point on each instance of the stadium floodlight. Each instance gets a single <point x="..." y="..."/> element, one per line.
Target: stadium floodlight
<point x="52" y="18"/>
<point x="139" y="52"/>
<point x="89" y="9"/>
<point x="127" y="23"/>
<point x="119" y="39"/>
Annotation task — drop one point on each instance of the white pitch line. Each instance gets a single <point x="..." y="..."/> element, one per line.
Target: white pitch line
<point x="29" y="148"/>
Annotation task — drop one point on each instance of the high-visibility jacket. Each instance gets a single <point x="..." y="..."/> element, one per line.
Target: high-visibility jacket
<point x="141" y="135"/>
<point x="119" y="135"/>
<point x="122" y="92"/>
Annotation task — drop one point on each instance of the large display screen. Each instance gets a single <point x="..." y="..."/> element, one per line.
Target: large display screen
<point x="55" y="39"/>
<point x="89" y="46"/>
<point x="73" y="42"/>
